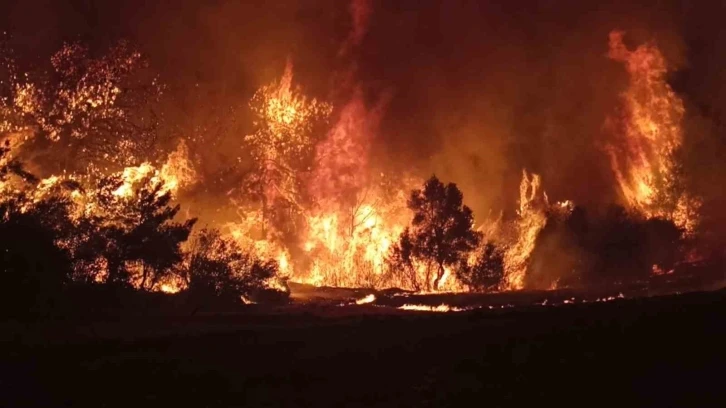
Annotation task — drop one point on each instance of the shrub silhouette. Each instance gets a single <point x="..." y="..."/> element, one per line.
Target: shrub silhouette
<point x="615" y="247"/>
<point x="487" y="272"/>
<point x="218" y="269"/>
<point x="33" y="267"/>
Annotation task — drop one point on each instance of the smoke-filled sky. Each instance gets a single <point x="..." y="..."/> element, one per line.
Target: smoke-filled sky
<point x="478" y="89"/>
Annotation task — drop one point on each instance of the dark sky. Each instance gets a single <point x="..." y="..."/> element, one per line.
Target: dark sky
<point x="480" y="89"/>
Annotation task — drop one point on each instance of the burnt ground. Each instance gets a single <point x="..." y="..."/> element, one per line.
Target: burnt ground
<point x="657" y="351"/>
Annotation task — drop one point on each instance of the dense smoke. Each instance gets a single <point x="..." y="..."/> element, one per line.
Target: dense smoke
<point x="474" y="93"/>
<point x="499" y="87"/>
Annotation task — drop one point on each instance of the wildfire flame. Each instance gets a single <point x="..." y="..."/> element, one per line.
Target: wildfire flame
<point x="649" y="131"/>
<point x="442" y="308"/>
<point x="531" y="218"/>
<point x="366" y="300"/>
<point x="175" y="174"/>
<point x="350" y="248"/>
<point x="349" y="217"/>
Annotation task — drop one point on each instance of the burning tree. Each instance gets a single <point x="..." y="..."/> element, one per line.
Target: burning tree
<point x="282" y="146"/>
<point x="440" y="235"/>
<point x="349" y="246"/>
<point x="83" y="109"/>
<point x="124" y="233"/>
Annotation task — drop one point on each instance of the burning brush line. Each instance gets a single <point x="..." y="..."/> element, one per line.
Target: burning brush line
<point x="445" y="308"/>
<point x="353" y="219"/>
<point x="312" y="202"/>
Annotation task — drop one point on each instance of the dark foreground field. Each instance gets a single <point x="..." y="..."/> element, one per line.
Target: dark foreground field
<point x="663" y="351"/>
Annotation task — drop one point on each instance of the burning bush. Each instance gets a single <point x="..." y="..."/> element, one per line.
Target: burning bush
<point x="487" y="271"/>
<point x="216" y="267"/>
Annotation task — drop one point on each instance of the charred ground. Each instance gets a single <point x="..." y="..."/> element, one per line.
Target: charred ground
<point x="647" y="352"/>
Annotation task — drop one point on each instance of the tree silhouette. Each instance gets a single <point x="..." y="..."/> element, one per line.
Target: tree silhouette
<point x="33" y="267"/>
<point x="134" y="235"/>
<point x="440" y="233"/>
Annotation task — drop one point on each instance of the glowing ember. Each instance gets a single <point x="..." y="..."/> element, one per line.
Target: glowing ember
<point x="442" y="308"/>
<point x="169" y="288"/>
<point x="366" y="300"/>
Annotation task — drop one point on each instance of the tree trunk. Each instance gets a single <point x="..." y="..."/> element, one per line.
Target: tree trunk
<point x="439" y="275"/>
<point x="144" y="275"/>
<point x="428" y="276"/>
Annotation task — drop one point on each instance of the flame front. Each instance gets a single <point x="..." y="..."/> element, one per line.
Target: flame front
<point x="648" y="137"/>
<point x="314" y="201"/>
<point x="531" y="219"/>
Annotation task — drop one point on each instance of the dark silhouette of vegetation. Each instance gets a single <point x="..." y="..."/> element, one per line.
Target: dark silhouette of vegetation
<point x="401" y="263"/>
<point x="33" y="267"/>
<point x="561" y="252"/>
<point x="628" y="246"/>
<point x="487" y="272"/>
<point x="618" y="246"/>
<point x="218" y="269"/>
<point x="440" y="234"/>
<point x="90" y="114"/>
<point x="142" y="236"/>
<point x="129" y="243"/>
<point x="127" y="238"/>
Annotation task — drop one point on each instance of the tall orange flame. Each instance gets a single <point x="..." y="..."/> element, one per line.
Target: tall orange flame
<point x="648" y="136"/>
